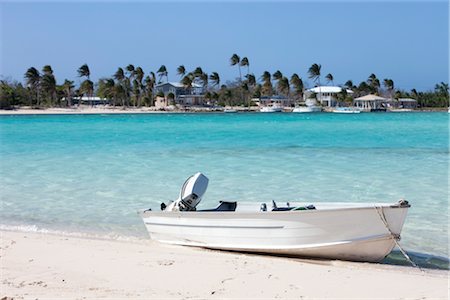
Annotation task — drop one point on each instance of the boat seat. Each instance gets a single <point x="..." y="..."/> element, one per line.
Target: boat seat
<point x="223" y="206"/>
<point x="276" y="208"/>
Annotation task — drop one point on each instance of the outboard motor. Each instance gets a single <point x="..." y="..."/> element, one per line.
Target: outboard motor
<point x="191" y="193"/>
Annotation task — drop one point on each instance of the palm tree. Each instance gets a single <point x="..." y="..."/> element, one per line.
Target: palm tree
<point x="267" y="88"/>
<point x="343" y="96"/>
<point x="314" y="74"/>
<point x="162" y="71"/>
<point x="181" y="70"/>
<point x="277" y="76"/>
<point x="442" y="88"/>
<point x="374" y="83"/>
<point x="250" y="84"/>
<point x="204" y="78"/>
<point x="130" y="69"/>
<point x="245" y="62"/>
<point x="364" y="88"/>
<point x="414" y="94"/>
<point x="86" y="88"/>
<point x="106" y="89"/>
<point x="84" y="71"/>
<point x="329" y="77"/>
<point x="68" y="91"/>
<point x="283" y="85"/>
<point x="33" y="79"/>
<point x="48" y="87"/>
<point x="139" y="76"/>
<point x="235" y="60"/>
<point x="297" y="82"/>
<point x="187" y="81"/>
<point x="389" y="85"/>
<point x="47" y="69"/>
<point x="215" y="78"/>
<point x="123" y="82"/>
<point x="198" y="72"/>
<point x="149" y="86"/>
<point x="349" y="84"/>
<point x="251" y="79"/>
<point x="119" y="75"/>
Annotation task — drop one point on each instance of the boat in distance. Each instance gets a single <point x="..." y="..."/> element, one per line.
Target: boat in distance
<point x="271" y="109"/>
<point x="346" y="110"/>
<point x="307" y="109"/>
<point x="347" y="231"/>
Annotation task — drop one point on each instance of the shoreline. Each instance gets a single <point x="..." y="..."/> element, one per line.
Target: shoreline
<point x="99" y="110"/>
<point x="423" y="260"/>
<point x="37" y="265"/>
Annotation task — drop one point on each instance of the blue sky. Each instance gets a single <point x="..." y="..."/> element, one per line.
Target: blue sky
<point x="405" y="41"/>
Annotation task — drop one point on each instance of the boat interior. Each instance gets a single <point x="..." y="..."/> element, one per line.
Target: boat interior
<point x="195" y="187"/>
<point x="231" y="206"/>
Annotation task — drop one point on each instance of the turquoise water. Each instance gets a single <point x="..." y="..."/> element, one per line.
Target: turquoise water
<point x="89" y="174"/>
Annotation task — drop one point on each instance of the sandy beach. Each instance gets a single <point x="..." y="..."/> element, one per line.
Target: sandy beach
<point x="81" y="110"/>
<point x="44" y="266"/>
<point x="87" y="110"/>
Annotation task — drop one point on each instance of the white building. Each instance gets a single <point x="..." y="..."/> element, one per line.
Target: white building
<point x="407" y="103"/>
<point x="371" y="102"/>
<point x="181" y="95"/>
<point x="89" y="100"/>
<point x="326" y="95"/>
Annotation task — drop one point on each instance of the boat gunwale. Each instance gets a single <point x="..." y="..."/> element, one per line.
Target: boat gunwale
<point x="171" y="214"/>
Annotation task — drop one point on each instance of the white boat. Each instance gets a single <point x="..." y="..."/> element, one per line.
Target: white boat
<point x="400" y="110"/>
<point x="229" y="110"/>
<point x="346" y="110"/>
<point x="348" y="231"/>
<point x="307" y="109"/>
<point x="271" y="109"/>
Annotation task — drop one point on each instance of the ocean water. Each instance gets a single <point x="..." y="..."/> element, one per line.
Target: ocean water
<point x="89" y="174"/>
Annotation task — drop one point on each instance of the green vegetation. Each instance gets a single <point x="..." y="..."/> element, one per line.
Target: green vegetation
<point x="131" y="86"/>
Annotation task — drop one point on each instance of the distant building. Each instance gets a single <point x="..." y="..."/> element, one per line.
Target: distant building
<point x="178" y="94"/>
<point x="326" y="95"/>
<point x="371" y="102"/>
<point x="89" y="100"/>
<point x="407" y="103"/>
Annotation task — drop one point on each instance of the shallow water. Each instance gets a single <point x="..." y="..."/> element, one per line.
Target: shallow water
<point x="91" y="173"/>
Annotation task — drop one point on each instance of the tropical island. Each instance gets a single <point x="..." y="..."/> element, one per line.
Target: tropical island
<point x="131" y="87"/>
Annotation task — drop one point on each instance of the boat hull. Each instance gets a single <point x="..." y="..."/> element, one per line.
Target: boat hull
<point x="270" y="109"/>
<point x="346" y="111"/>
<point x="356" y="233"/>
<point x="307" y="109"/>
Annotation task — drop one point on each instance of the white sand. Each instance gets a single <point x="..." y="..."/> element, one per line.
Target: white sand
<point x="85" y="110"/>
<point x="39" y="266"/>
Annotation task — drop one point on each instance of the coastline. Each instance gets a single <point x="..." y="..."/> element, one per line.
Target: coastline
<point x="143" y="110"/>
<point x="37" y="265"/>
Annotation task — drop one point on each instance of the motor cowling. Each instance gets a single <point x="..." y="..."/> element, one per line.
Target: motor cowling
<point x="191" y="193"/>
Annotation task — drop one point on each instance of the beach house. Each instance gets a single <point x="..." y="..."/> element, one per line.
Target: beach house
<point x="88" y="100"/>
<point x="407" y="103"/>
<point x="371" y="102"/>
<point x="326" y="95"/>
<point x="177" y="93"/>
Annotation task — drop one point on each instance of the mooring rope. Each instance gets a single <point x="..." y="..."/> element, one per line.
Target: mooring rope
<point x="395" y="237"/>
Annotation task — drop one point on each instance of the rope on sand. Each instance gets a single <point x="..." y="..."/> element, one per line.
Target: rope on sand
<point x="395" y="237"/>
